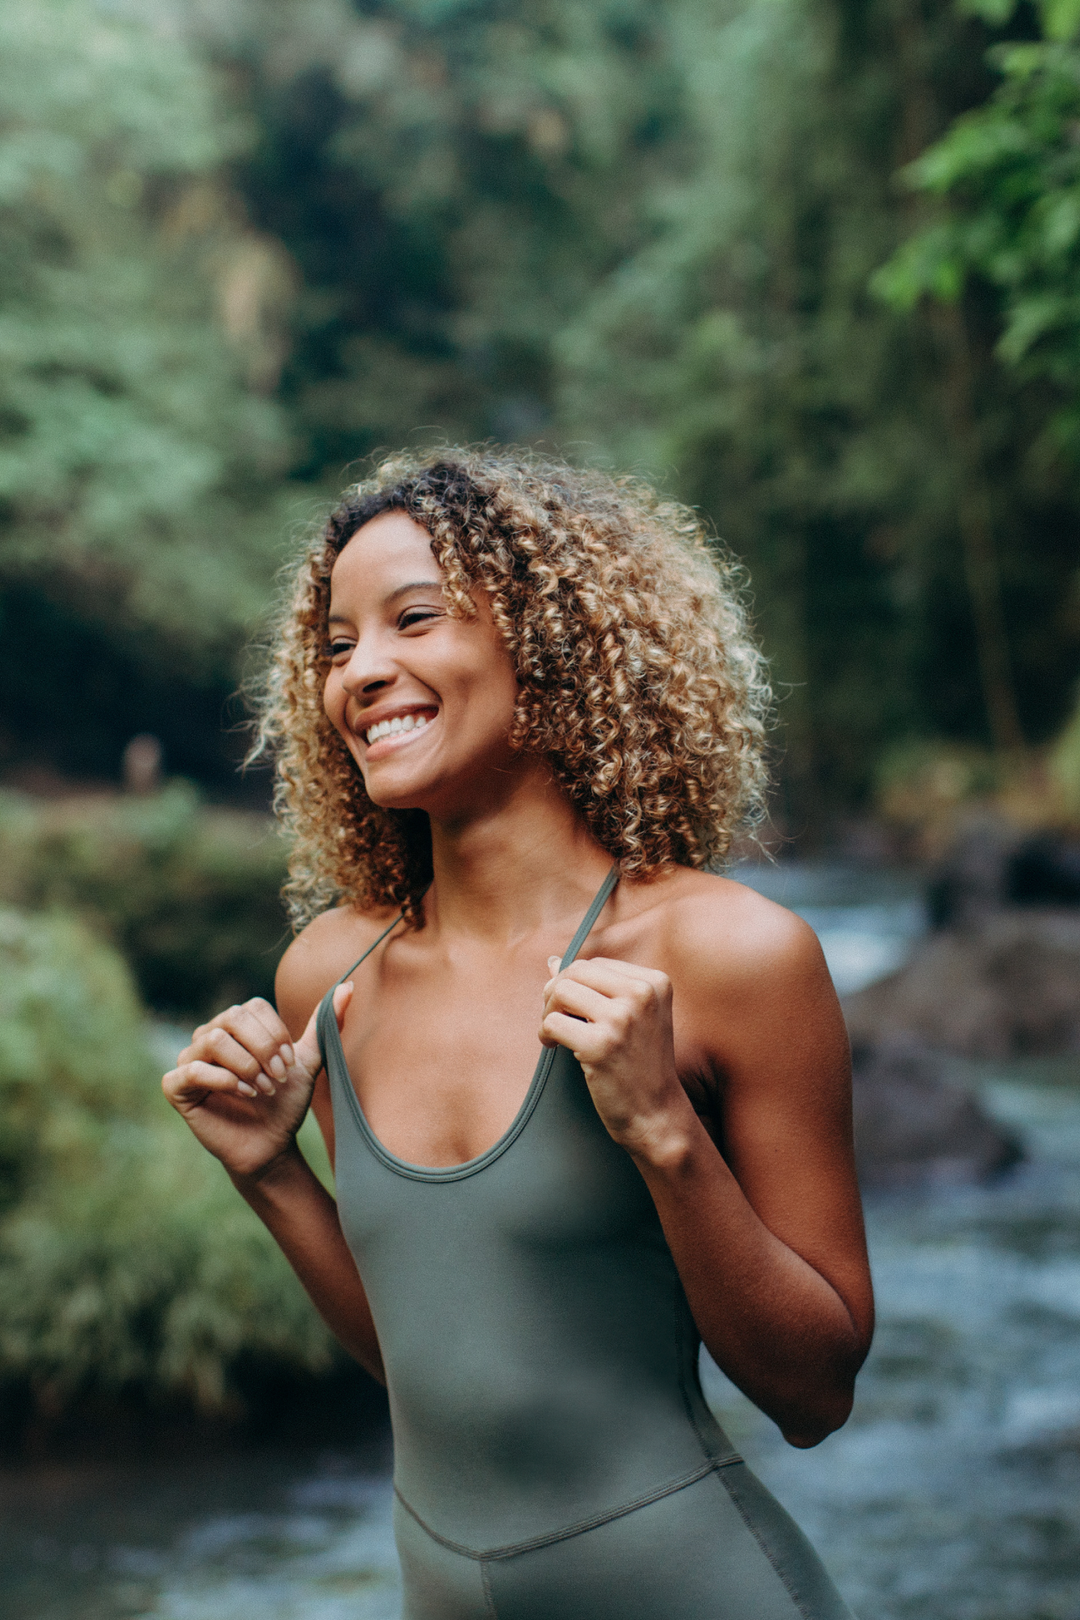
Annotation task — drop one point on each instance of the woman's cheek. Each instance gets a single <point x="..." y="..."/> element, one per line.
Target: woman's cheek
<point x="334" y="705"/>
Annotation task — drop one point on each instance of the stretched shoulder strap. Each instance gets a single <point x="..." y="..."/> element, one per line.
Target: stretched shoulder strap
<point x="585" y="929"/>
<point x="399" y="918"/>
<point x="326" y="1009"/>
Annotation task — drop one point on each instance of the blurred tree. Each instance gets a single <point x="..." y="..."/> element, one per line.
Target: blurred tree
<point x="139" y="339"/>
<point x="1006" y="178"/>
<point x="742" y="348"/>
<point x="642" y="230"/>
<point x="453" y="180"/>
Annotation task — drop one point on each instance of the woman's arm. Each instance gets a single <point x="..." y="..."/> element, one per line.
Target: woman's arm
<point x="244" y="1086"/>
<point x="767" y="1236"/>
<point x="302" y="1217"/>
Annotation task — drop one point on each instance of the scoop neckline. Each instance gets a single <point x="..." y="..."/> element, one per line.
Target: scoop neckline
<point x="470" y="1167"/>
<point x="467" y="1167"/>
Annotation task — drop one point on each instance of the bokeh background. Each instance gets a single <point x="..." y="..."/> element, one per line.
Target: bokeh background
<point x="814" y="267"/>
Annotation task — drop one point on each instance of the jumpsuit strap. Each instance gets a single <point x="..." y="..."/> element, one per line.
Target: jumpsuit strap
<point x="584" y="929"/>
<point x="399" y="918"/>
<point x="326" y="1004"/>
<point x="603" y="894"/>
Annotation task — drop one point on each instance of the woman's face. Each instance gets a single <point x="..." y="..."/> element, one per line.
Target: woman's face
<point x="423" y="701"/>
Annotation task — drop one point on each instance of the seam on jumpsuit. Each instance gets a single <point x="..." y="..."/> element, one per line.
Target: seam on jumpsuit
<point x="489" y="1596"/>
<point x="686" y="1351"/>
<point x="577" y="1529"/>
<point x="767" y="1550"/>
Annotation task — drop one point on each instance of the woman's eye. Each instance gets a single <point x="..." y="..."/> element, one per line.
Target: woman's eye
<point x="414" y="616"/>
<point x="338" y="648"/>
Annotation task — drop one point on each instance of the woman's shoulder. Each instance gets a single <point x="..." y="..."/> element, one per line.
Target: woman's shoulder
<point x="750" y="977"/>
<point x="715" y="930"/>
<point x="322" y="953"/>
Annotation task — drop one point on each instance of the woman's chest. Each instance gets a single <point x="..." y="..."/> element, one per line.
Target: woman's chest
<point x="442" y="1060"/>
<point x="552" y="1179"/>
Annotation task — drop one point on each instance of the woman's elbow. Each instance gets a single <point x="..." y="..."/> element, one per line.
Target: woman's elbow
<point x="818" y="1420"/>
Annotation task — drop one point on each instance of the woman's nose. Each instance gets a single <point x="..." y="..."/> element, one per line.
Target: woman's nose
<point x="369" y="668"/>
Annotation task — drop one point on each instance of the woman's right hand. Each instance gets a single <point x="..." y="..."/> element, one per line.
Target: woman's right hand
<point x="244" y="1087"/>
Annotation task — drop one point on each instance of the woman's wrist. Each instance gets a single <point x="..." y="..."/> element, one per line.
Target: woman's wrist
<point x="287" y="1170"/>
<point x="665" y="1143"/>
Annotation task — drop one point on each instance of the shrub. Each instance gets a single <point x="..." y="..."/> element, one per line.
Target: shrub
<point x="127" y="1261"/>
<point x="188" y="893"/>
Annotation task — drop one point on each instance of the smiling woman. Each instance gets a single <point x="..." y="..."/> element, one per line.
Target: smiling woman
<point x="637" y="677"/>
<point x="516" y="712"/>
<point x="417" y="694"/>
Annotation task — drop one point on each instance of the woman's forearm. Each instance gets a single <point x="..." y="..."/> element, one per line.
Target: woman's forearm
<point x="302" y="1217"/>
<point x="773" y="1324"/>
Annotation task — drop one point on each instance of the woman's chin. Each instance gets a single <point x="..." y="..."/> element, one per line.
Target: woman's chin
<point x="387" y="799"/>
<point x="388" y="794"/>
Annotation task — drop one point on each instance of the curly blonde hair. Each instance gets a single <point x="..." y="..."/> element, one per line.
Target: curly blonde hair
<point x="639" y="680"/>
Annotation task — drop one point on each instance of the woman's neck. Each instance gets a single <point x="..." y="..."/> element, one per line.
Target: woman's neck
<point x="516" y="866"/>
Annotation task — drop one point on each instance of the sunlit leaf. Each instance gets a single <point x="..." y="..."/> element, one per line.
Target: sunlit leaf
<point x="1060" y="18"/>
<point x="994" y="12"/>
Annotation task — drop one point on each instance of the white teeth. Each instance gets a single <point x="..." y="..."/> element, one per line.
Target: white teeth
<point x="391" y="728"/>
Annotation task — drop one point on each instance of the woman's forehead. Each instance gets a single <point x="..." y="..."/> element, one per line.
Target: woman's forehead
<point x="382" y="554"/>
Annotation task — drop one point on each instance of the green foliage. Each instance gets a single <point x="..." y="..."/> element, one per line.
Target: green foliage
<point x="189" y="894"/>
<point x="640" y="229"/>
<point x="1059" y="19"/>
<point x="1065" y="765"/>
<point x="452" y="181"/>
<point x="70" y="1044"/>
<point x="129" y="444"/>
<point x="127" y="1260"/>
<point x="737" y="347"/>
<point x="1009" y="173"/>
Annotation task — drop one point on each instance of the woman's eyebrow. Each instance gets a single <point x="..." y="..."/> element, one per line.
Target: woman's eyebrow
<point x="417" y="585"/>
<point x="402" y="590"/>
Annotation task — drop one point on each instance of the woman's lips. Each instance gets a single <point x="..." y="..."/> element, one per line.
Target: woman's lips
<point x="392" y="742"/>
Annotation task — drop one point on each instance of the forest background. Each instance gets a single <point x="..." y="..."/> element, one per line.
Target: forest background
<point x="814" y="265"/>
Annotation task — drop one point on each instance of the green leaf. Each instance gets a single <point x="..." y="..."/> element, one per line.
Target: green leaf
<point x="995" y="12"/>
<point x="1060" y="18"/>
<point x="926" y="264"/>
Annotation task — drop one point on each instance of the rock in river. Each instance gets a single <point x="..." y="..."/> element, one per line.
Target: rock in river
<point x="915" y="1126"/>
<point x="1006" y="985"/>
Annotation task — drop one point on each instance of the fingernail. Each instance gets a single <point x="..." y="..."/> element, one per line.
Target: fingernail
<point x="287" y="1055"/>
<point x="276" y="1067"/>
<point x="248" y="1091"/>
<point x="264" y="1083"/>
<point x="553" y="965"/>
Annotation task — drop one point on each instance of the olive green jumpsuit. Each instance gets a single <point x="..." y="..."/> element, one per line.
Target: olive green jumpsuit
<point x="554" y="1457"/>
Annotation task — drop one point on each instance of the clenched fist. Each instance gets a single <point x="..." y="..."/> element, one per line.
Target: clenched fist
<point x="616" y="1019"/>
<point x="243" y="1087"/>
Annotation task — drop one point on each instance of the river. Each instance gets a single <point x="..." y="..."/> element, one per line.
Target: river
<point x="953" y="1493"/>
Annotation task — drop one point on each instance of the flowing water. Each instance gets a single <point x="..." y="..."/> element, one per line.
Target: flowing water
<point x="953" y="1493"/>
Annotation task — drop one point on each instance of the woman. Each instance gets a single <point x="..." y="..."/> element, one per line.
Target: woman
<point x="516" y="714"/>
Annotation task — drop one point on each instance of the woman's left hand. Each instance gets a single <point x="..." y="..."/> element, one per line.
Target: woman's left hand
<point x="616" y="1019"/>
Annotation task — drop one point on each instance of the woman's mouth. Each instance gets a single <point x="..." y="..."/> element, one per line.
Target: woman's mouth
<point x="397" y="730"/>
